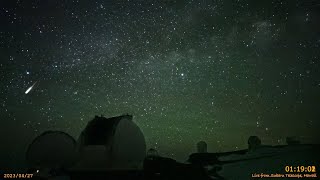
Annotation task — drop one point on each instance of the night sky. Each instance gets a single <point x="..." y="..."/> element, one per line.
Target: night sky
<point x="213" y="70"/>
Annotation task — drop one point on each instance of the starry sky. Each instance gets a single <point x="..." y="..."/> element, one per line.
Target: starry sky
<point x="212" y="70"/>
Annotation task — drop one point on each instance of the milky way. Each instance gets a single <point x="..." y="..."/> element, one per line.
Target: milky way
<point x="210" y="70"/>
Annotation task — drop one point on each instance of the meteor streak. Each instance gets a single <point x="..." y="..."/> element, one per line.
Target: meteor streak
<point x="30" y="88"/>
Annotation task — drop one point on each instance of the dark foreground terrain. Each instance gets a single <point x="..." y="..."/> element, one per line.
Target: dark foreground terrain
<point x="229" y="165"/>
